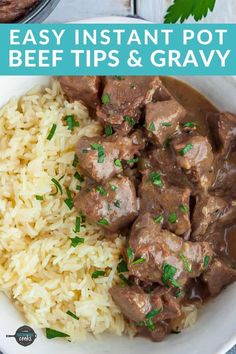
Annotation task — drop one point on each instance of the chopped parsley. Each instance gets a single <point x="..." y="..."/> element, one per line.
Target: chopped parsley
<point x="78" y="187"/>
<point x="75" y="161"/>
<point x="183" y="208"/>
<point x="130" y="253"/>
<point x="168" y="274"/>
<point x="159" y="219"/>
<point x="78" y="176"/>
<point x="122" y="267"/>
<point x="185" y="149"/>
<point x="155" y="178"/>
<point x="206" y="261"/>
<point x="103" y="222"/>
<point x="139" y="261"/>
<point x="124" y="279"/>
<point x="105" y="98"/>
<point x="71" y="122"/>
<point x="187" y="265"/>
<point x="76" y="241"/>
<point x="149" y="320"/>
<point x="118" y="163"/>
<point x="130" y="120"/>
<point x="39" y="197"/>
<point x="69" y="201"/>
<point x="57" y="185"/>
<point x="117" y="203"/>
<point x="172" y="218"/>
<point x="179" y="293"/>
<point x="100" y="150"/>
<point x="134" y="160"/>
<point x="102" y="191"/>
<point x="98" y="273"/>
<point x="52" y="333"/>
<point x="190" y="125"/>
<point x="108" y="130"/>
<point x="77" y="224"/>
<point x="52" y="132"/>
<point x="166" y="124"/>
<point x="151" y="127"/>
<point x="71" y="314"/>
<point x="113" y="187"/>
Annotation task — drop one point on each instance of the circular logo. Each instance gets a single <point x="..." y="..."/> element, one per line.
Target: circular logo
<point x="25" y="336"/>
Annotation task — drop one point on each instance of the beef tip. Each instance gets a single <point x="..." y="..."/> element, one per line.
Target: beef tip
<point x="82" y="88"/>
<point x="162" y="119"/>
<point x="218" y="276"/>
<point x="166" y="202"/>
<point x="208" y="209"/>
<point x="112" y="206"/>
<point x="223" y="130"/>
<point x="101" y="158"/>
<point x="122" y="99"/>
<point x="155" y="252"/>
<point x="11" y="10"/>
<point x="194" y="155"/>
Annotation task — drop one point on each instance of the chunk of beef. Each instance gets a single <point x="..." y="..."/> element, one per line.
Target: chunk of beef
<point x="168" y="202"/>
<point x="162" y="119"/>
<point x="101" y="158"/>
<point x="161" y="251"/>
<point x="218" y="276"/>
<point x="137" y="306"/>
<point x="194" y="155"/>
<point x="112" y="206"/>
<point x="223" y="129"/>
<point x="82" y="88"/>
<point x="122" y="99"/>
<point x="208" y="209"/>
<point x="11" y="10"/>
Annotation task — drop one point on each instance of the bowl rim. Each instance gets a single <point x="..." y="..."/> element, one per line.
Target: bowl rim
<point x="35" y="10"/>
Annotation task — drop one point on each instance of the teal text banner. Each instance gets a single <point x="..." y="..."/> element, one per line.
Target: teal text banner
<point x="116" y="49"/>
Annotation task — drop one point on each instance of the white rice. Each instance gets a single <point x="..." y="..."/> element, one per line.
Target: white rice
<point x="39" y="270"/>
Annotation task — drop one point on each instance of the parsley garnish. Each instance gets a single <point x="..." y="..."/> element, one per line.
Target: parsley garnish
<point x="185" y="149"/>
<point x="124" y="279"/>
<point x="117" y="203"/>
<point x="57" y="185"/>
<point x="71" y="314"/>
<point x="103" y="222"/>
<point x="183" y="208"/>
<point x="151" y="127"/>
<point x="105" y="98"/>
<point x="206" y="261"/>
<point x="168" y="274"/>
<point x="39" y="197"/>
<point x="101" y="190"/>
<point x="159" y="219"/>
<point x="190" y="125"/>
<point x="113" y="187"/>
<point x="77" y="224"/>
<point x="187" y="265"/>
<point x="100" y="150"/>
<point x="155" y="178"/>
<point x="130" y="253"/>
<point x="118" y="163"/>
<point x="130" y="120"/>
<point x="78" y="176"/>
<point x="166" y="124"/>
<point x="75" y="161"/>
<point x="149" y="319"/>
<point x="52" y="132"/>
<point x="179" y="293"/>
<point x="134" y="160"/>
<point x="172" y="218"/>
<point x="98" y="273"/>
<point x="52" y="333"/>
<point x="108" y="130"/>
<point x="71" y="122"/>
<point x="183" y="9"/>
<point x="76" y="241"/>
<point x="122" y="267"/>
<point x="138" y="261"/>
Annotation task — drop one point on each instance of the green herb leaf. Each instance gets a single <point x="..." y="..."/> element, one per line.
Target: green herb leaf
<point x="78" y="187"/>
<point x="166" y="124"/>
<point x="151" y="127"/>
<point x="103" y="222"/>
<point x="105" y="98"/>
<point x="118" y="163"/>
<point x="69" y="202"/>
<point x="122" y="267"/>
<point x="100" y="150"/>
<point x="102" y="191"/>
<point x="153" y="313"/>
<point x="159" y="219"/>
<point x="179" y="293"/>
<point x="139" y="261"/>
<point x="206" y="261"/>
<point x="98" y="273"/>
<point x="155" y="178"/>
<point x="39" y="197"/>
<point x="168" y="274"/>
<point x="75" y="161"/>
<point x="57" y="185"/>
<point x="183" y="9"/>
<point x="77" y="224"/>
<point x="113" y="187"/>
<point x="78" y="176"/>
<point x="77" y="241"/>
<point x="124" y="279"/>
<point x="71" y="314"/>
<point x="130" y="253"/>
<point x="172" y="218"/>
<point x="117" y="203"/>
<point x="52" y="132"/>
<point x="52" y="333"/>
<point x="187" y="265"/>
<point x="130" y="120"/>
<point x="185" y="149"/>
<point x="134" y="160"/>
<point x="190" y="125"/>
<point x="71" y="122"/>
<point x="108" y="130"/>
<point x="184" y="208"/>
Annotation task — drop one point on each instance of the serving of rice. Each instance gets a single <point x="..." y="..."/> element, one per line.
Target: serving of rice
<point x="39" y="269"/>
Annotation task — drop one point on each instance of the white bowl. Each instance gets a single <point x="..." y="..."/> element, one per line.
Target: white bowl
<point x="214" y="332"/>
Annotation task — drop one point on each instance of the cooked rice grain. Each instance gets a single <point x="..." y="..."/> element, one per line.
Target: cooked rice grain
<point x="39" y="270"/>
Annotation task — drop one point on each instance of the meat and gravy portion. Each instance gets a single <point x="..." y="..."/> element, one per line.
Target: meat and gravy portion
<point x="11" y="10"/>
<point x="163" y="176"/>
